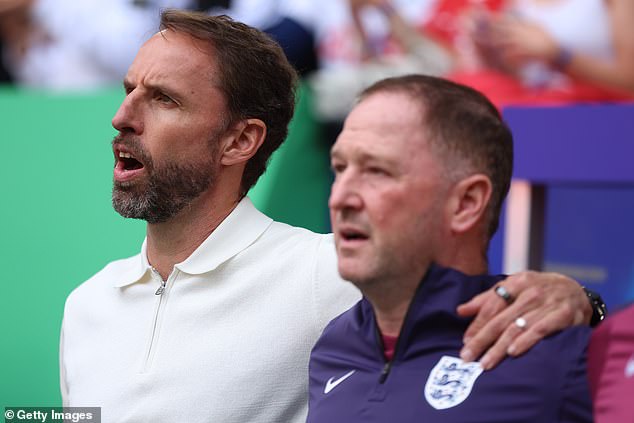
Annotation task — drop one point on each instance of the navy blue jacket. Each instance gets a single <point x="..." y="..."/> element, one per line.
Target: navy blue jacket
<point x="350" y="380"/>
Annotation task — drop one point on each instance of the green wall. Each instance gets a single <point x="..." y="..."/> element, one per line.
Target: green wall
<point x="57" y="227"/>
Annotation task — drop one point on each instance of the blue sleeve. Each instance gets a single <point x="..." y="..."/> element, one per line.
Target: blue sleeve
<point x="576" y="403"/>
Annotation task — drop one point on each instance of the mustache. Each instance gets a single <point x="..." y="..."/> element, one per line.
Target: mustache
<point x="348" y="217"/>
<point x="134" y="146"/>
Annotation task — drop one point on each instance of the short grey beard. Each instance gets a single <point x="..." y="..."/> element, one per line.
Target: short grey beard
<point x="169" y="190"/>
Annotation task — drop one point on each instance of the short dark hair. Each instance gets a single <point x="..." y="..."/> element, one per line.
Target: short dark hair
<point x="255" y="77"/>
<point x="464" y="128"/>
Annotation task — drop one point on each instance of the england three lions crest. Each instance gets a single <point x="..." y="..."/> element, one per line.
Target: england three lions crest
<point x="450" y="382"/>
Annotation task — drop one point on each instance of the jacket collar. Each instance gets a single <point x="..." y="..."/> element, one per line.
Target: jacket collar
<point x="433" y="308"/>
<point x="234" y="234"/>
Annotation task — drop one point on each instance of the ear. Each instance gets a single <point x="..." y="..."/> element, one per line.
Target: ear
<point x="247" y="137"/>
<point x="468" y="202"/>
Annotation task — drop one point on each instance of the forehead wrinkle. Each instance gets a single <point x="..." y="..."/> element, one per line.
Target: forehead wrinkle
<point x="399" y="133"/>
<point x="170" y="71"/>
<point x="178" y="61"/>
<point x="206" y="47"/>
<point x="366" y="148"/>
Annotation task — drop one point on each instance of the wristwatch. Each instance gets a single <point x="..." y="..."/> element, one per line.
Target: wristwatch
<point x="599" y="309"/>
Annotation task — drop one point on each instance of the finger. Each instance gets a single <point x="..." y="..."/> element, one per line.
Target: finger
<point x="495" y="325"/>
<point x="486" y="305"/>
<point x="483" y="332"/>
<point x="540" y="323"/>
<point x="544" y="325"/>
<point x="526" y="340"/>
<point x="498" y="351"/>
<point x="475" y="345"/>
<point x="518" y="282"/>
<point x="471" y="307"/>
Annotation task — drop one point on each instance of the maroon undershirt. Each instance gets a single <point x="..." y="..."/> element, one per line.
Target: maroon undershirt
<point x="389" y="344"/>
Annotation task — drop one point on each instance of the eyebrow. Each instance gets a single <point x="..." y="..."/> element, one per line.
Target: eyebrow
<point x="365" y="157"/>
<point x="129" y="85"/>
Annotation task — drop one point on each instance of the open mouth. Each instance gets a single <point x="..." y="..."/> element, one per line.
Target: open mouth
<point x="128" y="162"/>
<point x="352" y="235"/>
<point x="126" y="166"/>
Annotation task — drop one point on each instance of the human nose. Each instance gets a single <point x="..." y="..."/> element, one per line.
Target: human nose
<point x="345" y="192"/>
<point x="129" y="116"/>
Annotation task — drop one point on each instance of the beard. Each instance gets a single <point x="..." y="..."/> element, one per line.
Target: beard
<point x="166" y="189"/>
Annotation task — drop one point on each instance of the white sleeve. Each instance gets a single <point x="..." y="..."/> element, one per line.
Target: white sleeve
<point x="62" y="370"/>
<point x="333" y="295"/>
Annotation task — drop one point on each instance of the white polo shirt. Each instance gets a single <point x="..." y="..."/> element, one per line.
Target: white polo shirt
<point x="228" y="340"/>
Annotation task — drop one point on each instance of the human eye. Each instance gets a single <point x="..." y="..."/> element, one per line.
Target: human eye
<point x="127" y="88"/>
<point x="161" y="97"/>
<point x="377" y="170"/>
<point x="337" y="166"/>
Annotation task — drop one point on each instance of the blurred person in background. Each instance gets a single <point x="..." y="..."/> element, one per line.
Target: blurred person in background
<point x="553" y="51"/>
<point x="5" y="76"/>
<point x="611" y="368"/>
<point x="515" y="51"/>
<point x="289" y="22"/>
<point x="14" y="33"/>
<point x="362" y="41"/>
<point x="78" y="45"/>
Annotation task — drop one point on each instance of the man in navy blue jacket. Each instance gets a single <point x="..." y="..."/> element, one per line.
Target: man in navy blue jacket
<point x="422" y="167"/>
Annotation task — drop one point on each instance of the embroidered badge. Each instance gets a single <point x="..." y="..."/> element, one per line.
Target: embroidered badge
<point x="450" y="382"/>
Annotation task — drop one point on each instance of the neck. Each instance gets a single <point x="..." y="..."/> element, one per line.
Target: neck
<point x="171" y="242"/>
<point x="390" y="320"/>
<point x="465" y="253"/>
<point x="390" y="301"/>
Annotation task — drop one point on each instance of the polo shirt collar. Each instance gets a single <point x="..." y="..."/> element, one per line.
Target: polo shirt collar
<point x="235" y="233"/>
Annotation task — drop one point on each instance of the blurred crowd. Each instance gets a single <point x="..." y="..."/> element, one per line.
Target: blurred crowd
<point x="515" y="51"/>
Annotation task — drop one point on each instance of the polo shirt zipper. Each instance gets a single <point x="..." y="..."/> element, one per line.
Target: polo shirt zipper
<point x="162" y="294"/>
<point x="161" y="288"/>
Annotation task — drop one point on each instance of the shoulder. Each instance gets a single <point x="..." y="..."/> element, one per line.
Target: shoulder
<point x="550" y="380"/>
<point x="571" y="343"/>
<point x="343" y="331"/>
<point x="301" y="248"/>
<point x="285" y="245"/>
<point x="346" y="321"/>
<point x="285" y="236"/>
<point x="105" y="280"/>
<point x="554" y="361"/>
<point x="562" y="358"/>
